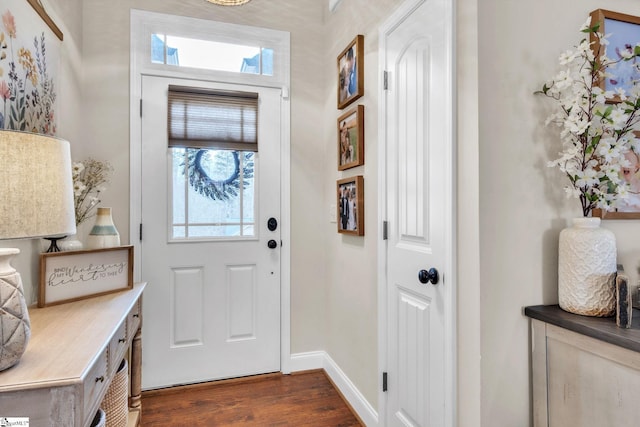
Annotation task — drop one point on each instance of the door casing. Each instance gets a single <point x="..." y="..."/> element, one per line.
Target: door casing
<point x="450" y="282"/>
<point x="145" y="23"/>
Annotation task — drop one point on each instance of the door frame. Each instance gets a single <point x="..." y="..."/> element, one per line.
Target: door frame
<point x="449" y="276"/>
<point x="143" y="24"/>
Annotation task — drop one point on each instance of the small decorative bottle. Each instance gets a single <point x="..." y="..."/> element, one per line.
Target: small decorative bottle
<point x="104" y="233"/>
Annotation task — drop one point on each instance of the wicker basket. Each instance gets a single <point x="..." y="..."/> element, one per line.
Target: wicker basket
<point x="99" y="419"/>
<point x="115" y="402"/>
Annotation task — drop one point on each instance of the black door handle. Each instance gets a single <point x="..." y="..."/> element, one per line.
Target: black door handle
<point x="272" y="244"/>
<point x="432" y="276"/>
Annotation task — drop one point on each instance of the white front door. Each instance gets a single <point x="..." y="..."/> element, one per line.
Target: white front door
<point x="212" y="304"/>
<point x="417" y="135"/>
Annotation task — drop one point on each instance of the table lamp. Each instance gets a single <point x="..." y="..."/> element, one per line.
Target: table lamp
<point x="36" y="200"/>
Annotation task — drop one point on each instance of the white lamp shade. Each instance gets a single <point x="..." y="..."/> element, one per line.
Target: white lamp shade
<point x="36" y="188"/>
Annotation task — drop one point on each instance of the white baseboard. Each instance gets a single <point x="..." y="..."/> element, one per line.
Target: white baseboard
<point x="321" y="360"/>
<point x="307" y="361"/>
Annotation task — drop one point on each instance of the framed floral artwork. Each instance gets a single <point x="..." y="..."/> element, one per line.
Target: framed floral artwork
<point x="29" y="59"/>
<point x="351" y="72"/>
<point x="350" y="203"/>
<point x="629" y="207"/>
<point x="624" y="35"/>
<point x="351" y="138"/>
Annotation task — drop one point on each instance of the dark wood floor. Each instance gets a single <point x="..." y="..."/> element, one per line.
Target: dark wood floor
<point x="301" y="399"/>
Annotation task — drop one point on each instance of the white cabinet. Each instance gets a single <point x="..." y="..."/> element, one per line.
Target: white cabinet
<point x="585" y="370"/>
<point x="73" y="354"/>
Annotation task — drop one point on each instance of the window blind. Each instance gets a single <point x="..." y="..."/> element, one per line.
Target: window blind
<point x="205" y="118"/>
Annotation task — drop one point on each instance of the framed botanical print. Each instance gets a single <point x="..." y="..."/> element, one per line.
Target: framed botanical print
<point x="623" y="35"/>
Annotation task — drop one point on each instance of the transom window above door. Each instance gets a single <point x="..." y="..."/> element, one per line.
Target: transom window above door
<point x="211" y="55"/>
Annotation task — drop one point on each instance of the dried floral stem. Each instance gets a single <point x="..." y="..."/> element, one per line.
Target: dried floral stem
<point x="89" y="178"/>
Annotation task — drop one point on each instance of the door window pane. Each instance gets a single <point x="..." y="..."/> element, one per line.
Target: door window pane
<point x="213" y="193"/>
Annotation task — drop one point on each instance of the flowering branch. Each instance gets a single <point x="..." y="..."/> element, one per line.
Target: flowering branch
<point x="597" y="133"/>
<point x="89" y="178"/>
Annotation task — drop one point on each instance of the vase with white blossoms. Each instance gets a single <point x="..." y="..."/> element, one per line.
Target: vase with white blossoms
<point x="597" y="129"/>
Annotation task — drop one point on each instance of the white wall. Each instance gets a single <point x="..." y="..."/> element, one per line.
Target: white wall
<point x="352" y="264"/>
<point x="522" y="205"/>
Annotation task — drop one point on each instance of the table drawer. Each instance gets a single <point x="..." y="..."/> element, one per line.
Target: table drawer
<point x="134" y="318"/>
<point x="95" y="383"/>
<point x="118" y="346"/>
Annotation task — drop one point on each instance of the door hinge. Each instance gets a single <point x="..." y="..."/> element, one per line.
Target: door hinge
<point x="384" y="381"/>
<point x="141" y="232"/>
<point x="385" y="227"/>
<point x="140" y="107"/>
<point x="385" y="80"/>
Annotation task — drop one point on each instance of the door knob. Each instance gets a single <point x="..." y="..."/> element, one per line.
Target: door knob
<point x="432" y="276"/>
<point x="272" y="244"/>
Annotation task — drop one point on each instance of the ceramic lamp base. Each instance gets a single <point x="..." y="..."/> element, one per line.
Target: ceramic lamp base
<point x="15" y="328"/>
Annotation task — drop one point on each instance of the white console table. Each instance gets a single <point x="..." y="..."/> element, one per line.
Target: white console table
<point x="73" y="355"/>
<point x="586" y="370"/>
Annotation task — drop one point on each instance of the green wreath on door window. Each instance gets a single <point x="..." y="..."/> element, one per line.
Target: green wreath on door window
<point x="218" y="189"/>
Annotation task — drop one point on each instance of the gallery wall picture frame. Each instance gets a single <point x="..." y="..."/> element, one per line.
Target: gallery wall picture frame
<point x="75" y="275"/>
<point x="350" y="204"/>
<point x="351" y="138"/>
<point x="624" y="33"/>
<point x="351" y="72"/>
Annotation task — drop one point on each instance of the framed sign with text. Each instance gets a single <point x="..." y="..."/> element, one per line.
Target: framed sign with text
<point x="74" y="275"/>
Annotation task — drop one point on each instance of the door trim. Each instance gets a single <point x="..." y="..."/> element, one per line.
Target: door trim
<point x="449" y="280"/>
<point x="142" y="24"/>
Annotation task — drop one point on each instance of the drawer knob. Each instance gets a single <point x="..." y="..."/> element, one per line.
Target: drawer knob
<point x="136" y="315"/>
<point x="100" y="379"/>
<point x="122" y="340"/>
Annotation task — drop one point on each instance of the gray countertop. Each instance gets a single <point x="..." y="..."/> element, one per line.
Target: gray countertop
<point x="601" y="328"/>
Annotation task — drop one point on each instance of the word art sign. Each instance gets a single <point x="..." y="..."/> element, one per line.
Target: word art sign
<point x="74" y="275"/>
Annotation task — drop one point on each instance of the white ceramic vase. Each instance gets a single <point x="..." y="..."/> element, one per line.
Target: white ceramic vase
<point x="15" y="327"/>
<point x="104" y="233"/>
<point x="587" y="268"/>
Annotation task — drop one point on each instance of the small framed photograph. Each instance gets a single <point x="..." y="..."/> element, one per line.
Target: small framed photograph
<point x="351" y="72"/>
<point x="75" y="275"/>
<point x="625" y="34"/>
<point x="350" y="192"/>
<point x="351" y="139"/>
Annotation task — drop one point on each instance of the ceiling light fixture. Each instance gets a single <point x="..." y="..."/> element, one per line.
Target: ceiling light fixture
<point x="229" y="2"/>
